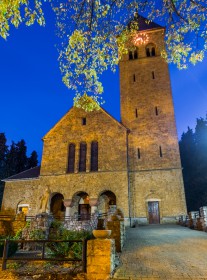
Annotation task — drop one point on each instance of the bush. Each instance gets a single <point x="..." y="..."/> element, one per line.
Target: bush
<point x="67" y="249"/>
<point x="13" y="246"/>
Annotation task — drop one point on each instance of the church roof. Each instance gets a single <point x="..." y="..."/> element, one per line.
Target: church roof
<point x="144" y="23"/>
<point x="31" y="173"/>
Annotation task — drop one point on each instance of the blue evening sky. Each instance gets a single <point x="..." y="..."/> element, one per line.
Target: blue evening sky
<point x="33" y="97"/>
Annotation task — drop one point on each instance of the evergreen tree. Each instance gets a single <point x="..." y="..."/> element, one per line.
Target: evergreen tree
<point x="11" y="160"/>
<point x="21" y="156"/>
<point x="193" y="151"/>
<point x="32" y="160"/>
<point x="3" y="153"/>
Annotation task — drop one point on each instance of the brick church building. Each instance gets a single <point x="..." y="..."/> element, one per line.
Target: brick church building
<point x="92" y="162"/>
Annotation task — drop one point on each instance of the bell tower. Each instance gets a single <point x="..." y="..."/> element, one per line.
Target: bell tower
<point x="147" y="111"/>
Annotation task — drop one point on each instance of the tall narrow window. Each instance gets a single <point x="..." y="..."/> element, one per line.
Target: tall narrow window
<point x="136" y="54"/>
<point x="134" y="78"/>
<point x="156" y="111"/>
<point x="83" y="121"/>
<point x="148" y="52"/>
<point x="136" y="113"/>
<point x="71" y="158"/>
<point x="82" y="157"/>
<point x="138" y="153"/>
<point x="160" y="148"/>
<point x="153" y="75"/>
<point x="94" y="156"/>
<point x="130" y="55"/>
<point x="153" y="51"/>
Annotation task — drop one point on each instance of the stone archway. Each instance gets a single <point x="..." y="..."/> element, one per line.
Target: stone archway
<point x="81" y="204"/>
<point x="107" y="202"/>
<point x="57" y="207"/>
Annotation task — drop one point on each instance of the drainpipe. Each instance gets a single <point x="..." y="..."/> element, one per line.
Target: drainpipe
<point x="128" y="178"/>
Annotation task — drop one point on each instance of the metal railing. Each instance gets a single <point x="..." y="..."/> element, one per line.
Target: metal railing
<point x="42" y="254"/>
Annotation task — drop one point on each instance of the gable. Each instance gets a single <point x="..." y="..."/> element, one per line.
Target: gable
<point x="73" y="120"/>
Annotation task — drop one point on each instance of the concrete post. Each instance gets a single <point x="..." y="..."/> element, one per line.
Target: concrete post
<point x="100" y="259"/>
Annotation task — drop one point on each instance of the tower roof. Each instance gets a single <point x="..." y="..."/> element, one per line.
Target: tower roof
<point x="144" y="23"/>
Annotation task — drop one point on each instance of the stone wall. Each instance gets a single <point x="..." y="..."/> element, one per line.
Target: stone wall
<point x="163" y="186"/>
<point x="93" y="183"/>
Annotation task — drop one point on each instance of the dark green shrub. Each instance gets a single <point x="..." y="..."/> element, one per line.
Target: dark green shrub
<point x="13" y="246"/>
<point x="66" y="249"/>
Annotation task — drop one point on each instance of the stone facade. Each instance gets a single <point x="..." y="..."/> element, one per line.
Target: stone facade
<point x="138" y="158"/>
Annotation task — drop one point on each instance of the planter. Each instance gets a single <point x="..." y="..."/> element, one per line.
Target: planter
<point x="101" y="233"/>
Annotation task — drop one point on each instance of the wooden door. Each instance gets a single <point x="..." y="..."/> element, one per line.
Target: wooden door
<point x="84" y="211"/>
<point x="153" y="212"/>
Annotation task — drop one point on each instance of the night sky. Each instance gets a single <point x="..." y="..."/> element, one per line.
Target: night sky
<point x="33" y="97"/>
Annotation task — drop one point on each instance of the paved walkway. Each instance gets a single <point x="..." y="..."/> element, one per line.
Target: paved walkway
<point x="163" y="252"/>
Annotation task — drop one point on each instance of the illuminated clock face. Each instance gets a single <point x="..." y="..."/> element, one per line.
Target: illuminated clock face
<point x="140" y="39"/>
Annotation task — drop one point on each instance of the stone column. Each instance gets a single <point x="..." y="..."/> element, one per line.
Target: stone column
<point x="94" y="204"/>
<point x="77" y="155"/>
<point x="68" y="206"/>
<point x="100" y="259"/>
<point x="88" y="158"/>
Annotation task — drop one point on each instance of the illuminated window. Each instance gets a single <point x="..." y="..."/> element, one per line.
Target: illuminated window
<point x="160" y="149"/>
<point x="82" y="157"/>
<point x="94" y="156"/>
<point x="71" y="158"/>
<point x="23" y="208"/>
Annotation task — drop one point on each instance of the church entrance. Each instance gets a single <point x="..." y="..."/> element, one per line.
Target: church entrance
<point x="56" y="206"/>
<point x="153" y="212"/>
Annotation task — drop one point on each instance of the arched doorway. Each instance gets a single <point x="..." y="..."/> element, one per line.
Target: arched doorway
<point x="107" y="202"/>
<point x="81" y="203"/>
<point x="57" y="207"/>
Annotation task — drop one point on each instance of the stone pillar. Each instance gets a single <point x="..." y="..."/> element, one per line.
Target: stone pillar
<point x="94" y="204"/>
<point x="77" y="155"/>
<point x="68" y="206"/>
<point x="117" y="233"/>
<point x="88" y="158"/>
<point x="100" y="259"/>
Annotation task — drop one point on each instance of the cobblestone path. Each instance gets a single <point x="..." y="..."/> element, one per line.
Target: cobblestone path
<point x="163" y="252"/>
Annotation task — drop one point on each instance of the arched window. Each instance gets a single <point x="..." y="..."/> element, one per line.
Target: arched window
<point x="136" y="54"/>
<point x="94" y="156"/>
<point x="150" y="50"/>
<point x="133" y="54"/>
<point x="71" y="158"/>
<point x="130" y="55"/>
<point x="82" y="157"/>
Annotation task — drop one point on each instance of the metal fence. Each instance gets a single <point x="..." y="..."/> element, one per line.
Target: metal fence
<point x="40" y="251"/>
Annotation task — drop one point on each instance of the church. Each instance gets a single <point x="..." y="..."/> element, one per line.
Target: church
<point x="92" y="162"/>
